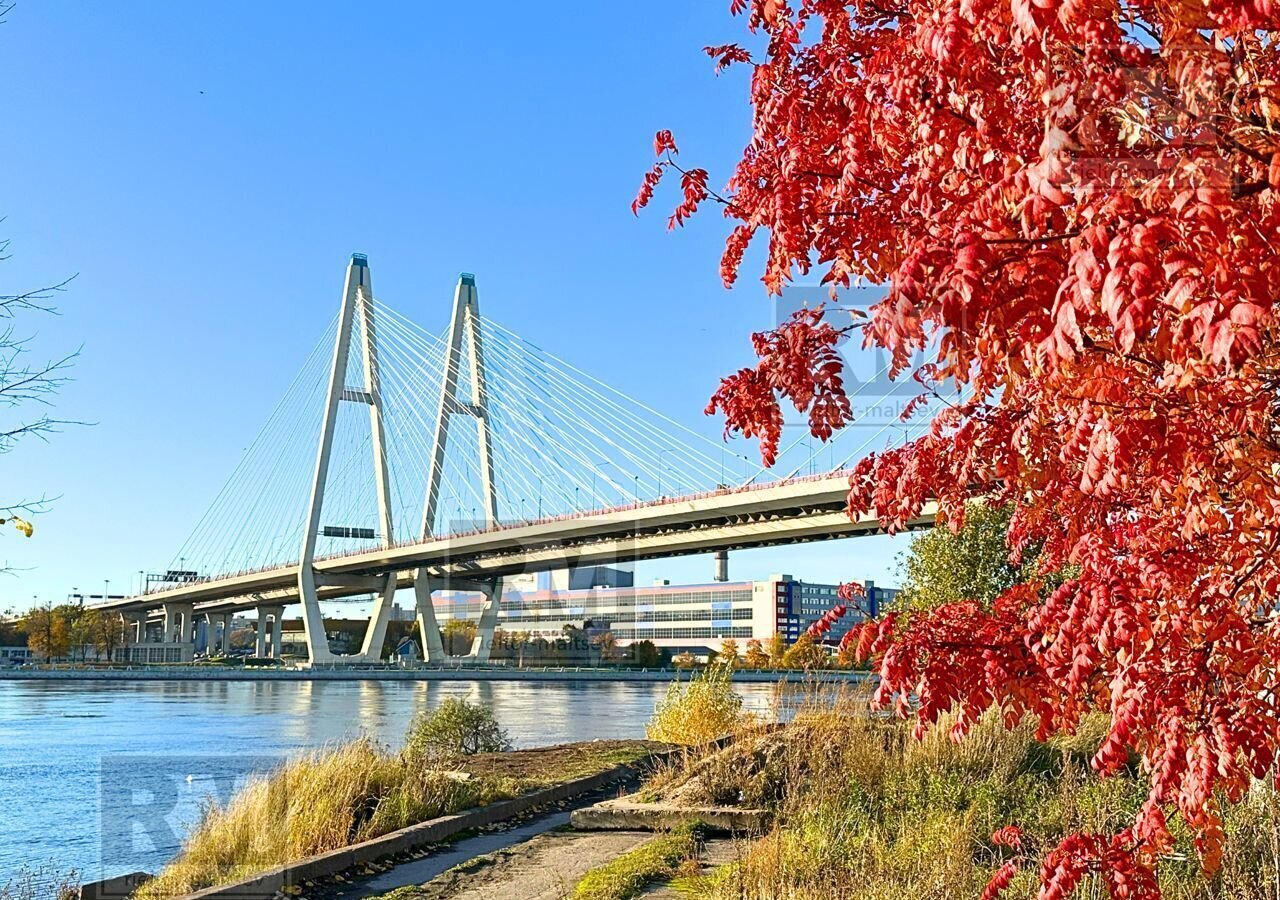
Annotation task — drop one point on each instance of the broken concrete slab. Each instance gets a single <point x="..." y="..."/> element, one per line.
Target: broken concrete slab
<point x="629" y="814"/>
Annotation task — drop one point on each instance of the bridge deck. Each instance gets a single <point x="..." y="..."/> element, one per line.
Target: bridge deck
<point x="792" y="512"/>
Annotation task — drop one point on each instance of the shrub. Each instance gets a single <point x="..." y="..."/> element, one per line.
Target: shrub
<point x="455" y="728"/>
<point x="699" y="710"/>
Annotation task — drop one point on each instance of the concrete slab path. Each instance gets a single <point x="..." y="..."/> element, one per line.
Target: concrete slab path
<point x="545" y="866"/>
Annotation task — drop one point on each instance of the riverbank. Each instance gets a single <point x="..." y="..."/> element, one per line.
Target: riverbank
<point x="346" y="808"/>
<point x="187" y="742"/>
<point x="370" y="673"/>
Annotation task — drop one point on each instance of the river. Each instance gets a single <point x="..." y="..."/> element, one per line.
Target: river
<point x="106" y="777"/>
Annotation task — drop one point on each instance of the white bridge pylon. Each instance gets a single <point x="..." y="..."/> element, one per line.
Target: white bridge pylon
<point x="464" y="335"/>
<point x="464" y="325"/>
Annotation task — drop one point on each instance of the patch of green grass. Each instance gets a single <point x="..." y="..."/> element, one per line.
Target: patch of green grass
<point x="626" y="876"/>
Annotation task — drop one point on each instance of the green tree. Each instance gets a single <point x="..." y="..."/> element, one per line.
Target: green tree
<point x="105" y="633"/>
<point x="646" y="654"/>
<point x="13" y="631"/>
<point x="458" y="636"/>
<point x="48" y="632"/>
<point x="574" y="646"/>
<point x="971" y="564"/>
<point x="83" y="624"/>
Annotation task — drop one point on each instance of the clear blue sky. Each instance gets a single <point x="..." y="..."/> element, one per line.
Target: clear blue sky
<point x="206" y="170"/>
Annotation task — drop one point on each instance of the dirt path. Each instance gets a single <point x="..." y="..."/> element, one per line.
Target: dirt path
<point x="545" y="867"/>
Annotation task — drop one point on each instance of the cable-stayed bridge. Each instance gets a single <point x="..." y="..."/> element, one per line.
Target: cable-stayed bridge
<point x="451" y="461"/>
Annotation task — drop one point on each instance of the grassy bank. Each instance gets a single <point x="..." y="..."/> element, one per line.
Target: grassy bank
<point x="627" y="876"/>
<point x="356" y="791"/>
<point x="865" y="812"/>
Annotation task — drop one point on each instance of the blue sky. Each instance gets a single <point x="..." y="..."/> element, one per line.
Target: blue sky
<point x="206" y="171"/>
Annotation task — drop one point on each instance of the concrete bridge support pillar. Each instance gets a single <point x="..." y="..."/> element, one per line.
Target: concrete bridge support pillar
<point x="217" y="628"/>
<point x="177" y="623"/>
<point x="135" y="629"/>
<point x="428" y="626"/>
<point x="483" y="642"/>
<point x="276" y="615"/>
<point x="260" y="648"/>
<point x="224" y="642"/>
<point x="277" y="623"/>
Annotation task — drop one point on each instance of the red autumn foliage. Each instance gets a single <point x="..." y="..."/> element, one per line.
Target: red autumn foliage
<point x="798" y="359"/>
<point x="1076" y="203"/>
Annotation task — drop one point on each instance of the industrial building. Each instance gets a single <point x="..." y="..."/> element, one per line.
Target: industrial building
<point x="694" y="617"/>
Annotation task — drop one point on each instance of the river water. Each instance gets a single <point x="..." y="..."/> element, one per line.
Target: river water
<point x="106" y="777"/>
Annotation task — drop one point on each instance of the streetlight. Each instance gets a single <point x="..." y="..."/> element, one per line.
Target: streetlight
<point x="141" y="583"/>
<point x="106" y="589"/>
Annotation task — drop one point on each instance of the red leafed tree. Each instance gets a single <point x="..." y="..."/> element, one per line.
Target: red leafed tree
<point x="1077" y="204"/>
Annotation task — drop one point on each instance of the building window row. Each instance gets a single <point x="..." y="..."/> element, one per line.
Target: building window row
<point x="640" y="634"/>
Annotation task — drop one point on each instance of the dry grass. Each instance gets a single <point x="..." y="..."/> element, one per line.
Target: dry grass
<point x="42" y="882"/>
<point x="317" y="803"/>
<point x="354" y="792"/>
<point x="867" y="813"/>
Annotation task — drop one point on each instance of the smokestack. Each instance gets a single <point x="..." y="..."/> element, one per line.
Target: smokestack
<point x="722" y="565"/>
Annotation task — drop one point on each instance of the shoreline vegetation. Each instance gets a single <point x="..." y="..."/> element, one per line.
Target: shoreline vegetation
<point x="863" y="810"/>
<point x="454" y="758"/>
<point x="860" y="808"/>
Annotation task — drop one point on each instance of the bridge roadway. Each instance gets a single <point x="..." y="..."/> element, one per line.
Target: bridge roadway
<point x="800" y="510"/>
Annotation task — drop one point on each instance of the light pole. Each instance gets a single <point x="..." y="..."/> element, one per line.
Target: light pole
<point x="106" y="589"/>
<point x="141" y="583"/>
